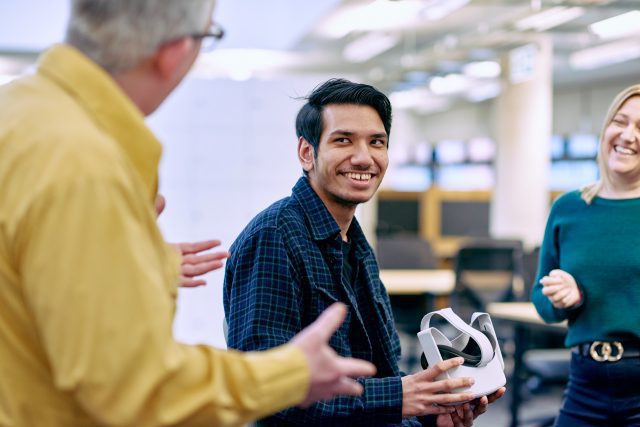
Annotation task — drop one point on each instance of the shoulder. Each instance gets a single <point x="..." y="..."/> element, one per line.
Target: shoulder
<point x="44" y="128"/>
<point x="278" y="222"/>
<point x="568" y="201"/>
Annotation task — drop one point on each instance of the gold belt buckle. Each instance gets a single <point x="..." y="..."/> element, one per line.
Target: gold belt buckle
<point x="602" y="351"/>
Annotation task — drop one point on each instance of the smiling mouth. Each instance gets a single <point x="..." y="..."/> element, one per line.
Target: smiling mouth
<point x="364" y="177"/>
<point x="624" y="150"/>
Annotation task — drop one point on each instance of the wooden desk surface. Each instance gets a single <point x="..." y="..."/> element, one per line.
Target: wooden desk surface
<point x="523" y="312"/>
<point x="414" y="282"/>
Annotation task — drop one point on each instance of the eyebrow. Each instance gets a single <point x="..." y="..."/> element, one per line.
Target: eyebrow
<point x="349" y="133"/>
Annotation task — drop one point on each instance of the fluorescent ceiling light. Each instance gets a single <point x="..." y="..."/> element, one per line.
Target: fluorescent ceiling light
<point x="378" y="15"/>
<point x="381" y="15"/>
<point x="368" y="46"/>
<point x="420" y="100"/>
<point x="617" y="26"/>
<point x="450" y="84"/>
<point x="482" y="92"/>
<point x="605" y="54"/>
<point x="482" y="69"/>
<point x="549" y="18"/>
<point x="438" y="9"/>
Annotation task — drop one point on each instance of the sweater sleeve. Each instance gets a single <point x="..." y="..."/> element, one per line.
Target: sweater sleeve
<point x="550" y="260"/>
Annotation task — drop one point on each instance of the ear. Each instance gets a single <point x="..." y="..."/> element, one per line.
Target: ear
<point x="305" y="154"/>
<point x="171" y="59"/>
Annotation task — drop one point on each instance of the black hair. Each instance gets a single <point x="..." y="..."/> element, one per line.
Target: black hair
<point x="338" y="91"/>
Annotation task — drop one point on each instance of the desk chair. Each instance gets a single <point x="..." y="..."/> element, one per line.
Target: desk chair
<point x="487" y="270"/>
<point x="407" y="251"/>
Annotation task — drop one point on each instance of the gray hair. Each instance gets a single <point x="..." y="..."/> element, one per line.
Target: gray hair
<point x="119" y="34"/>
<point x="592" y="190"/>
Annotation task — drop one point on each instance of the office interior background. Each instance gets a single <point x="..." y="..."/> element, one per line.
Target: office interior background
<point x="497" y="101"/>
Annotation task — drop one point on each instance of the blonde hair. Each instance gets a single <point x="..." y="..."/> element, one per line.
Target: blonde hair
<point x="592" y="190"/>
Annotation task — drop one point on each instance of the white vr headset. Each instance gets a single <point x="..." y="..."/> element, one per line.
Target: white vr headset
<point x="476" y="343"/>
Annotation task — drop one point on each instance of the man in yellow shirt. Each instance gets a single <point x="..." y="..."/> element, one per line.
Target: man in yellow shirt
<point x="87" y="284"/>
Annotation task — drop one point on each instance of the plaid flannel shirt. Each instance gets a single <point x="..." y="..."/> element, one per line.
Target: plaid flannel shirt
<point x="285" y="269"/>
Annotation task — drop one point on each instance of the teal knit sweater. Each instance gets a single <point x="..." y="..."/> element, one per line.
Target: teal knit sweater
<point x="599" y="245"/>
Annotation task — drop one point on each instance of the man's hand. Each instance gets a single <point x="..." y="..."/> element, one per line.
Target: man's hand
<point x="561" y="289"/>
<point x="421" y="392"/>
<point x="195" y="264"/>
<point x="331" y="375"/>
<point x="464" y="415"/>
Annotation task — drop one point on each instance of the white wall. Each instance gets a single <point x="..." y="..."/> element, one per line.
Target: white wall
<point x="230" y="151"/>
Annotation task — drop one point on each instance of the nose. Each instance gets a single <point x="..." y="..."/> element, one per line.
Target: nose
<point x="361" y="155"/>
<point x="631" y="133"/>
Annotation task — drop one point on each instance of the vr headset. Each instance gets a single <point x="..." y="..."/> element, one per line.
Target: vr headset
<point x="476" y="343"/>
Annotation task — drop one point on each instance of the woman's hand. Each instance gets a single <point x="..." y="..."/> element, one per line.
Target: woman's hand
<point x="561" y="289"/>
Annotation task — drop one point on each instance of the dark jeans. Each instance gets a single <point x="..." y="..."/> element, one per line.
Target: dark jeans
<point x="603" y="394"/>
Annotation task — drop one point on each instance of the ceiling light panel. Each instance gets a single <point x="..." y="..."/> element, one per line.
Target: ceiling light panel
<point x="549" y="18"/>
<point x="482" y="69"/>
<point x="617" y="26"/>
<point x="369" y="46"/>
<point x="605" y="54"/>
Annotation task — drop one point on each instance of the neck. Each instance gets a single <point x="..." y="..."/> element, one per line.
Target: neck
<point x="139" y="86"/>
<point x="341" y="212"/>
<point x="621" y="189"/>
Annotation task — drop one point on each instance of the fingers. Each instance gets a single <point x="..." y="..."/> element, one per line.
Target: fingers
<point x="434" y="371"/>
<point x="355" y="368"/>
<point x="467" y="415"/>
<point x="556" y="293"/>
<point x="481" y="407"/>
<point x="548" y="281"/>
<point x="159" y="204"/>
<point x="348" y="387"/>
<point x="187" y="282"/>
<point x="496" y="395"/>
<point x="329" y="321"/>
<point x="211" y="256"/>
<point x="195" y="247"/>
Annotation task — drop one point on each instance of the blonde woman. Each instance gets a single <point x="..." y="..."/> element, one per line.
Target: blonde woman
<point x="589" y="274"/>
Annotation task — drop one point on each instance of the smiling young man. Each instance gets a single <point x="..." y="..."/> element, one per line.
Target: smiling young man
<point x="308" y="251"/>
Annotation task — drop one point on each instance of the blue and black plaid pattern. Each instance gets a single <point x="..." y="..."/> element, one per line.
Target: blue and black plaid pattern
<point x="285" y="269"/>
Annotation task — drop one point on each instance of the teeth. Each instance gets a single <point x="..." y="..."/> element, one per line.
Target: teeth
<point x="623" y="150"/>
<point x="359" y="176"/>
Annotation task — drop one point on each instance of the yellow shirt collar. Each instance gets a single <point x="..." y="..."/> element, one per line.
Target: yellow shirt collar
<point x="108" y="105"/>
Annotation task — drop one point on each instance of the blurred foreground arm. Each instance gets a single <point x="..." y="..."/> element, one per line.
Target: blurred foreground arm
<point x="331" y="375"/>
<point x="105" y="324"/>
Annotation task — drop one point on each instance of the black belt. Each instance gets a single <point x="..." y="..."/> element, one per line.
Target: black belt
<point x="609" y="351"/>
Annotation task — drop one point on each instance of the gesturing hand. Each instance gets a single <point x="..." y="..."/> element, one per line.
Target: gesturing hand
<point x="195" y="264"/>
<point x="331" y="375"/>
<point x="561" y="289"/>
<point x="421" y="392"/>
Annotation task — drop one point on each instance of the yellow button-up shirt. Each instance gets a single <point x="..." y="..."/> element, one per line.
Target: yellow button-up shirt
<point x="87" y="284"/>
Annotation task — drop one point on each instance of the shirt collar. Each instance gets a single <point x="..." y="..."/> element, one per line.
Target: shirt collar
<point x="108" y="106"/>
<point x="323" y="225"/>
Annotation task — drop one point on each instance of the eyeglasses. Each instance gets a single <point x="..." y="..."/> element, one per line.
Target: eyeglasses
<point x="209" y="39"/>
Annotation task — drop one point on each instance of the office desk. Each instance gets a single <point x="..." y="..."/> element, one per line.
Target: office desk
<point x="438" y="283"/>
<point x="413" y="294"/>
<point x="524" y="317"/>
<point x="521" y="312"/>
